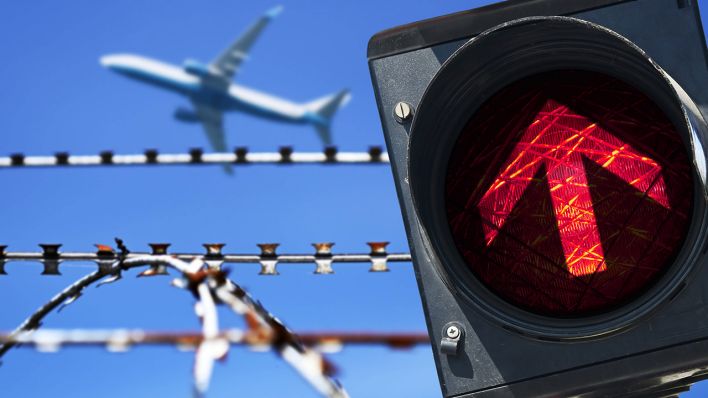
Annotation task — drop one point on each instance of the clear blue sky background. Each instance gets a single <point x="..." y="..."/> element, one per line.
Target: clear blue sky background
<point x="55" y="96"/>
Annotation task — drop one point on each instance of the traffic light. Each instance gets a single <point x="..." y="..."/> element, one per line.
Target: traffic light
<point x="550" y="166"/>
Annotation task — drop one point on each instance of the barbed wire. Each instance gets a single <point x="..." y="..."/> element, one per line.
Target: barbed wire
<point x="51" y="257"/>
<point x="210" y="286"/>
<point x="240" y="156"/>
<point x="121" y="340"/>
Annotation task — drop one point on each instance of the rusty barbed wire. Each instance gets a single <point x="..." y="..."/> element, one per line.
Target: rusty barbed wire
<point x="121" y="340"/>
<point x="212" y="347"/>
<point x="210" y="287"/>
<point x="51" y="257"/>
<point x="240" y="156"/>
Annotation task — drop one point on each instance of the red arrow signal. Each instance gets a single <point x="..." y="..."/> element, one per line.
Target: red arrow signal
<point x="569" y="192"/>
<point x="558" y="139"/>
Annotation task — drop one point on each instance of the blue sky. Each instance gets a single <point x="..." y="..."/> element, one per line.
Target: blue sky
<point x="56" y="97"/>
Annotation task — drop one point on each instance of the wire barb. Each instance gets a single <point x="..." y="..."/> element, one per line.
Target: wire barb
<point x="268" y="258"/>
<point x="213" y="257"/>
<point x="50" y="255"/>
<point x="158" y="249"/>
<point x="379" y="257"/>
<point x="2" y="259"/>
<point x="323" y="258"/>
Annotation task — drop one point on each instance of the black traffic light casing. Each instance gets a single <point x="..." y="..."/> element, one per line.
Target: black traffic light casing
<point x="654" y="346"/>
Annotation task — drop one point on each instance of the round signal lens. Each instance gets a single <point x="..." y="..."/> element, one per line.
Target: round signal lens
<point x="569" y="193"/>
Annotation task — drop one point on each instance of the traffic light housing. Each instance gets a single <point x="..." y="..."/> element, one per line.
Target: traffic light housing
<point x="549" y="161"/>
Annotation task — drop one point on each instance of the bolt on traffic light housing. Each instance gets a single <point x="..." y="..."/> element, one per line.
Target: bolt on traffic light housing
<point x="553" y="185"/>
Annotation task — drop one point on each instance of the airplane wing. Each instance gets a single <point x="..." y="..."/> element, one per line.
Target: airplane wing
<point x="229" y="62"/>
<point x="213" y="122"/>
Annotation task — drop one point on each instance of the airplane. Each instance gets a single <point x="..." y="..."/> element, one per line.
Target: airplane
<point x="211" y="92"/>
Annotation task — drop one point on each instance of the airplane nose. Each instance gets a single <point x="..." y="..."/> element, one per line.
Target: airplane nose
<point x="108" y="61"/>
<point x="118" y="61"/>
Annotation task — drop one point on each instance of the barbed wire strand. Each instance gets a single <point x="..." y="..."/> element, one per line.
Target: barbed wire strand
<point x="240" y="156"/>
<point x="378" y="258"/>
<point x="34" y="321"/>
<point x="121" y="340"/>
<point x="213" y="346"/>
<point x="310" y="364"/>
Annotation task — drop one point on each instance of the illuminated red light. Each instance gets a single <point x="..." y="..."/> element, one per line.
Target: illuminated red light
<point x="569" y="193"/>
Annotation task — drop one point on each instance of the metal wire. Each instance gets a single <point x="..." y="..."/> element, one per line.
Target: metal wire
<point x="51" y="257"/>
<point x="240" y="156"/>
<point x="119" y="340"/>
<point x="210" y="287"/>
<point x="202" y="275"/>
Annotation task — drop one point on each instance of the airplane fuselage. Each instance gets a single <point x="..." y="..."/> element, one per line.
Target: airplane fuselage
<point x="201" y="87"/>
<point x="211" y="92"/>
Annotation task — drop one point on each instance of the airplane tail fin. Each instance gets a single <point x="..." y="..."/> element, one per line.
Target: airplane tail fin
<point x="323" y="109"/>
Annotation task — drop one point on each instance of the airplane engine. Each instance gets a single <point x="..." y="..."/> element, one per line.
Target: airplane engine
<point x="186" y="115"/>
<point x="196" y="68"/>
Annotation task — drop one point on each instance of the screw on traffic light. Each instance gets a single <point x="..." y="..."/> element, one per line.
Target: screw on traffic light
<point x="553" y="185"/>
